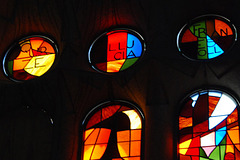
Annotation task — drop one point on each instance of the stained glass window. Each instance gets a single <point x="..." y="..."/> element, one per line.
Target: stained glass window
<point x="116" y="50"/>
<point x="209" y="127"/>
<point x="29" y="58"/>
<point x="206" y="37"/>
<point x="113" y="131"/>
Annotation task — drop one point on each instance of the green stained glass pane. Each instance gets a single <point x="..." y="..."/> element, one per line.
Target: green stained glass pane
<point x="128" y="63"/>
<point x="215" y="153"/>
<point x="202" y="153"/>
<point x="222" y="152"/>
<point x="10" y="67"/>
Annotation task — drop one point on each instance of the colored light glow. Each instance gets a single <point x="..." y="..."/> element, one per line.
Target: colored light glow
<point x="207" y="37"/>
<point x="116" y="51"/>
<point x="35" y="58"/>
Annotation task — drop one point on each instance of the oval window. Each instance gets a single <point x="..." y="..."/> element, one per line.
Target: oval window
<point x="206" y="37"/>
<point x="209" y="127"/>
<point x="116" y="50"/>
<point x="29" y="58"/>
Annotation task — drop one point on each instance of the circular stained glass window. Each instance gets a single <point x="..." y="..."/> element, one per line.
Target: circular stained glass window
<point x="116" y="50"/>
<point x="206" y="37"/>
<point x="29" y="58"/>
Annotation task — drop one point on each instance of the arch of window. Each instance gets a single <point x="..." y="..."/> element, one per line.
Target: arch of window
<point x="209" y="127"/>
<point x="113" y="130"/>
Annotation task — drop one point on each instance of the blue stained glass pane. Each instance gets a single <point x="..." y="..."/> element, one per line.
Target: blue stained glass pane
<point x="134" y="46"/>
<point x="213" y="49"/>
<point x="220" y="134"/>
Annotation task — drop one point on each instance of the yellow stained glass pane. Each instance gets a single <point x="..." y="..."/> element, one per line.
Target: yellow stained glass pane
<point x="136" y="135"/>
<point x="114" y="66"/>
<point x="123" y="136"/>
<point x="36" y="43"/>
<point x="87" y="152"/>
<point x="135" y="148"/>
<point x="185" y="144"/>
<point x="123" y="149"/>
<point x="98" y="151"/>
<point x="234" y="134"/>
<point x="229" y="148"/>
<point x="134" y="119"/>
<point x="19" y="64"/>
<point x="40" y="64"/>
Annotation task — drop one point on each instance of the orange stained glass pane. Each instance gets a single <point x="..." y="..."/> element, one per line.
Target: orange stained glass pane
<point x="134" y="119"/>
<point x="123" y="148"/>
<point x="36" y="43"/>
<point x="222" y="28"/>
<point x="136" y="135"/>
<point x="92" y="138"/>
<point x="213" y="101"/>
<point x="233" y="117"/>
<point x="87" y="152"/>
<point x="135" y="148"/>
<point x="234" y="135"/>
<point x="19" y="64"/>
<point x="24" y="54"/>
<point x="98" y="151"/>
<point x="87" y="133"/>
<point x="123" y="136"/>
<point x="46" y="47"/>
<point x="104" y="135"/>
<point x="185" y="122"/>
<point x="39" y="65"/>
<point x="114" y="66"/>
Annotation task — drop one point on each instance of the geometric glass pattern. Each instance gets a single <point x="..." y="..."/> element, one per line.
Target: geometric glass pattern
<point x="116" y="50"/>
<point x="114" y="132"/>
<point x="209" y="127"/>
<point x="29" y="58"/>
<point x="206" y="37"/>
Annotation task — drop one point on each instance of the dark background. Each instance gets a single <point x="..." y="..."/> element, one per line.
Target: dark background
<point x="67" y="93"/>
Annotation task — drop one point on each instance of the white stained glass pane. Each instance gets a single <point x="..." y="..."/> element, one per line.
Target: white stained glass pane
<point x="215" y="94"/>
<point x="134" y="119"/>
<point x="225" y="106"/>
<point x="208" y="140"/>
<point x="194" y="98"/>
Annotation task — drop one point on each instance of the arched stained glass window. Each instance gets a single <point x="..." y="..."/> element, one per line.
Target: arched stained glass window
<point x="116" y="50"/>
<point x="113" y="131"/>
<point x="206" y="37"/>
<point x="209" y="127"/>
<point x="29" y="58"/>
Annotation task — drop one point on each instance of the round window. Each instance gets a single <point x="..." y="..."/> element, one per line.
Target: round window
<point x="29" y="58"/>
<point x="206" y="37"/>
<point x="116" y="50"/>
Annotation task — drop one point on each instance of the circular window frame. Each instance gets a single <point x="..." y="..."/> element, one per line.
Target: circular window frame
<point x="126" y="30"/>
<point x="48" y="39"/>
<point x="199" y="19"/>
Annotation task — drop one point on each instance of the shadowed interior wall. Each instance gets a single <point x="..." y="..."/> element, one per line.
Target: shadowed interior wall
<point x="67" y="93"/>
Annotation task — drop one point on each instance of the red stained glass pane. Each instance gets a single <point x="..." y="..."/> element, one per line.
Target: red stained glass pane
<point x="104" y="135"/>
<point x="95" y="119"/>
<point x="109" y="111"/>
<point x="117" y="46"/>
